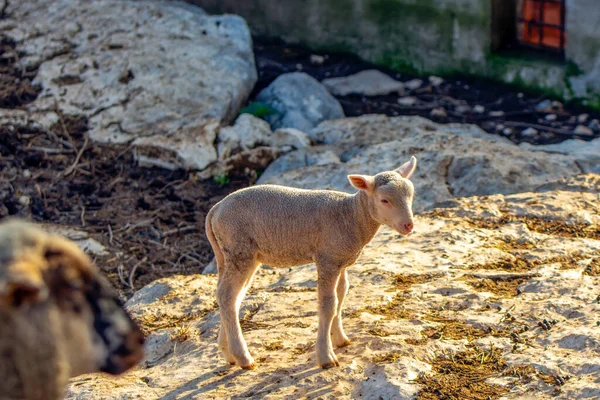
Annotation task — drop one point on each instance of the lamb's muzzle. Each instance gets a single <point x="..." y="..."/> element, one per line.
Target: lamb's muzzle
<point x="282" y="226"/>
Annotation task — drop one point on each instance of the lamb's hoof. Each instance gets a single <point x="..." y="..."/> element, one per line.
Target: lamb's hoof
<point x="344" y="343"/>
<point x="330" y="365"/>
<point x="249" y="367"/>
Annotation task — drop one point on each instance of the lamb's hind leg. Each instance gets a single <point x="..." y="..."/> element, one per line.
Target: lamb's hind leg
<point x="338" y="336"/>
<point x="233" y="280"/>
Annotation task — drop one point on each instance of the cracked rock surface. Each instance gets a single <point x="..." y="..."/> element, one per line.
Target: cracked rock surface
<point x="138" y="69"/>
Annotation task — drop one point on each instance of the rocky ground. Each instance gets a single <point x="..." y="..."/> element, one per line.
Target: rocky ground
<point x="492" y="297"/>
<point x="122" y="136"/>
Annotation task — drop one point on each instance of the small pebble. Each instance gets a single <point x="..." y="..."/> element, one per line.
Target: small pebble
<point x="529" y="132"/>
<point x="299" y="67"/>
<point x="499" y="127"/>
<point x="520" y="95"/>
<point x="438" y="113"/>
<point x="24" y="200"/>
<point x="26" y="173"/>
<point x="413" y="84"/>
<point x="496" y="113"/>
<point x="582" y="118"/>
<point x="479" y="109"/>
<point x="583" y="130"/>
<point x="550" y="117"/>
<point x="407" y="101"/>
<point x="507" y="131"/>
<point x="316" y="59"/>
<point x="435" y="80"/>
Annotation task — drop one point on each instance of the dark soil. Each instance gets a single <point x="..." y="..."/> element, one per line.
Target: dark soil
<point x="151" y="220"/>
<point x="274" y="58"/>
<point x="16" y="88"/>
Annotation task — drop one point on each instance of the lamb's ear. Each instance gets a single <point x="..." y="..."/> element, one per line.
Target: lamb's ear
<point x="407" y="169"/>
<point x="21" y="285"/>
<point x="362" y="182"/>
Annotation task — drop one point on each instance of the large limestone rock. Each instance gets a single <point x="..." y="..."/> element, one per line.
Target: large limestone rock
<point x="158" y="73"/>
<point x="454" y="160"/>
<point x="300" y="102"/>
<point x="474" y="282"/>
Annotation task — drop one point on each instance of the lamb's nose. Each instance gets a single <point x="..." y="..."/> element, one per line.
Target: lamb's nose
<point x="409" y="227"/>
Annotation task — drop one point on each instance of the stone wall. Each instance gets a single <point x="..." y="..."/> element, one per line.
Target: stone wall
<point x="430" y="36"/>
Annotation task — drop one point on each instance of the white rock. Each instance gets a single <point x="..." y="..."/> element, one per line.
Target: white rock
<point x="290" y="137"/>
<point x="529" y="132"/>
<point x="316" y="59"/>
<point x="456" y="159"/>
<point x="507" y="131"/>
<point x="435" y="81"/>
<point x="246" y="133"/>
<point x="582" y="118"/>
<point x="496" y="113"/>
<point x="413" y="84"/>
<point x="191" y="147"/>
<point x="438" y="113"/>
<point x="301" y="102"/>
<point x="174" y="70"/>
<point x="407" y="101"/>
<point x="463" y="109"/>
<point x="550" y="117"/>
<point x="479" y="109"/>
<point x="583" y="130"/>
<point x="367" y="83"/>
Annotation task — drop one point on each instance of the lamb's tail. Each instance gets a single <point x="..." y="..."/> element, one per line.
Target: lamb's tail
<point x="213" y="241"/>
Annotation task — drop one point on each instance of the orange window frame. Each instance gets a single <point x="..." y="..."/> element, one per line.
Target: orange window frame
<point x="541" y="24"/>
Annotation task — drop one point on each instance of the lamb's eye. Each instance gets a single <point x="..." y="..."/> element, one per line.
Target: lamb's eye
<point x="385" y="201"/>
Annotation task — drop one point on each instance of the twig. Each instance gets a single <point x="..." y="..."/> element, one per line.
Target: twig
<point x="179" y="230"/>
<point x="69" y="170"/>
<point x="135" y="267"/>
<point x="110" y="235"/>
<point x="48" y="150"/>
<point x="122" y="276"/>
<point x="82" y="215"/>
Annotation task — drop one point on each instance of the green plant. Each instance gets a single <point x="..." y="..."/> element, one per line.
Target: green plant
<point x="221" y="179"/>
<point x="258" y="109"/>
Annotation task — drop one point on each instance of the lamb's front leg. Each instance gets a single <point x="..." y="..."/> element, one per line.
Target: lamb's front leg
<point x="337" y="331"/>
<point x="328" y="277"/>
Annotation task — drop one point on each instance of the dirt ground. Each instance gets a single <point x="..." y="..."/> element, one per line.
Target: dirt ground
<point x="518" y="107"/>
<point x="152" y="220"/>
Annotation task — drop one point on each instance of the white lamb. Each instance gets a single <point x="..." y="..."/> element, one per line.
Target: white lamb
<point x="282" y="226"/>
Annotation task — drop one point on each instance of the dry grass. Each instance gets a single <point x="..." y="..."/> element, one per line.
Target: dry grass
<point x="386" y="358"/>
<point x="274" y="345"/>
<point x="150" y="323"/>
<point x="181" y="333"/>
<point x="392" y="310"/>
<point x="539" y="225"/>
<point x="403" y="282"/>
<point x="463" y="376"/>
<point x="454" y="330"/>
<point x="502" y="286"/>
<point x="593" y="268"/>
<point x="303" y="348"/>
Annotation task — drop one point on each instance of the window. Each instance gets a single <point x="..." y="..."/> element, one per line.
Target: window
<point x="529" y="25"/>
<point x="541" y="24"/>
